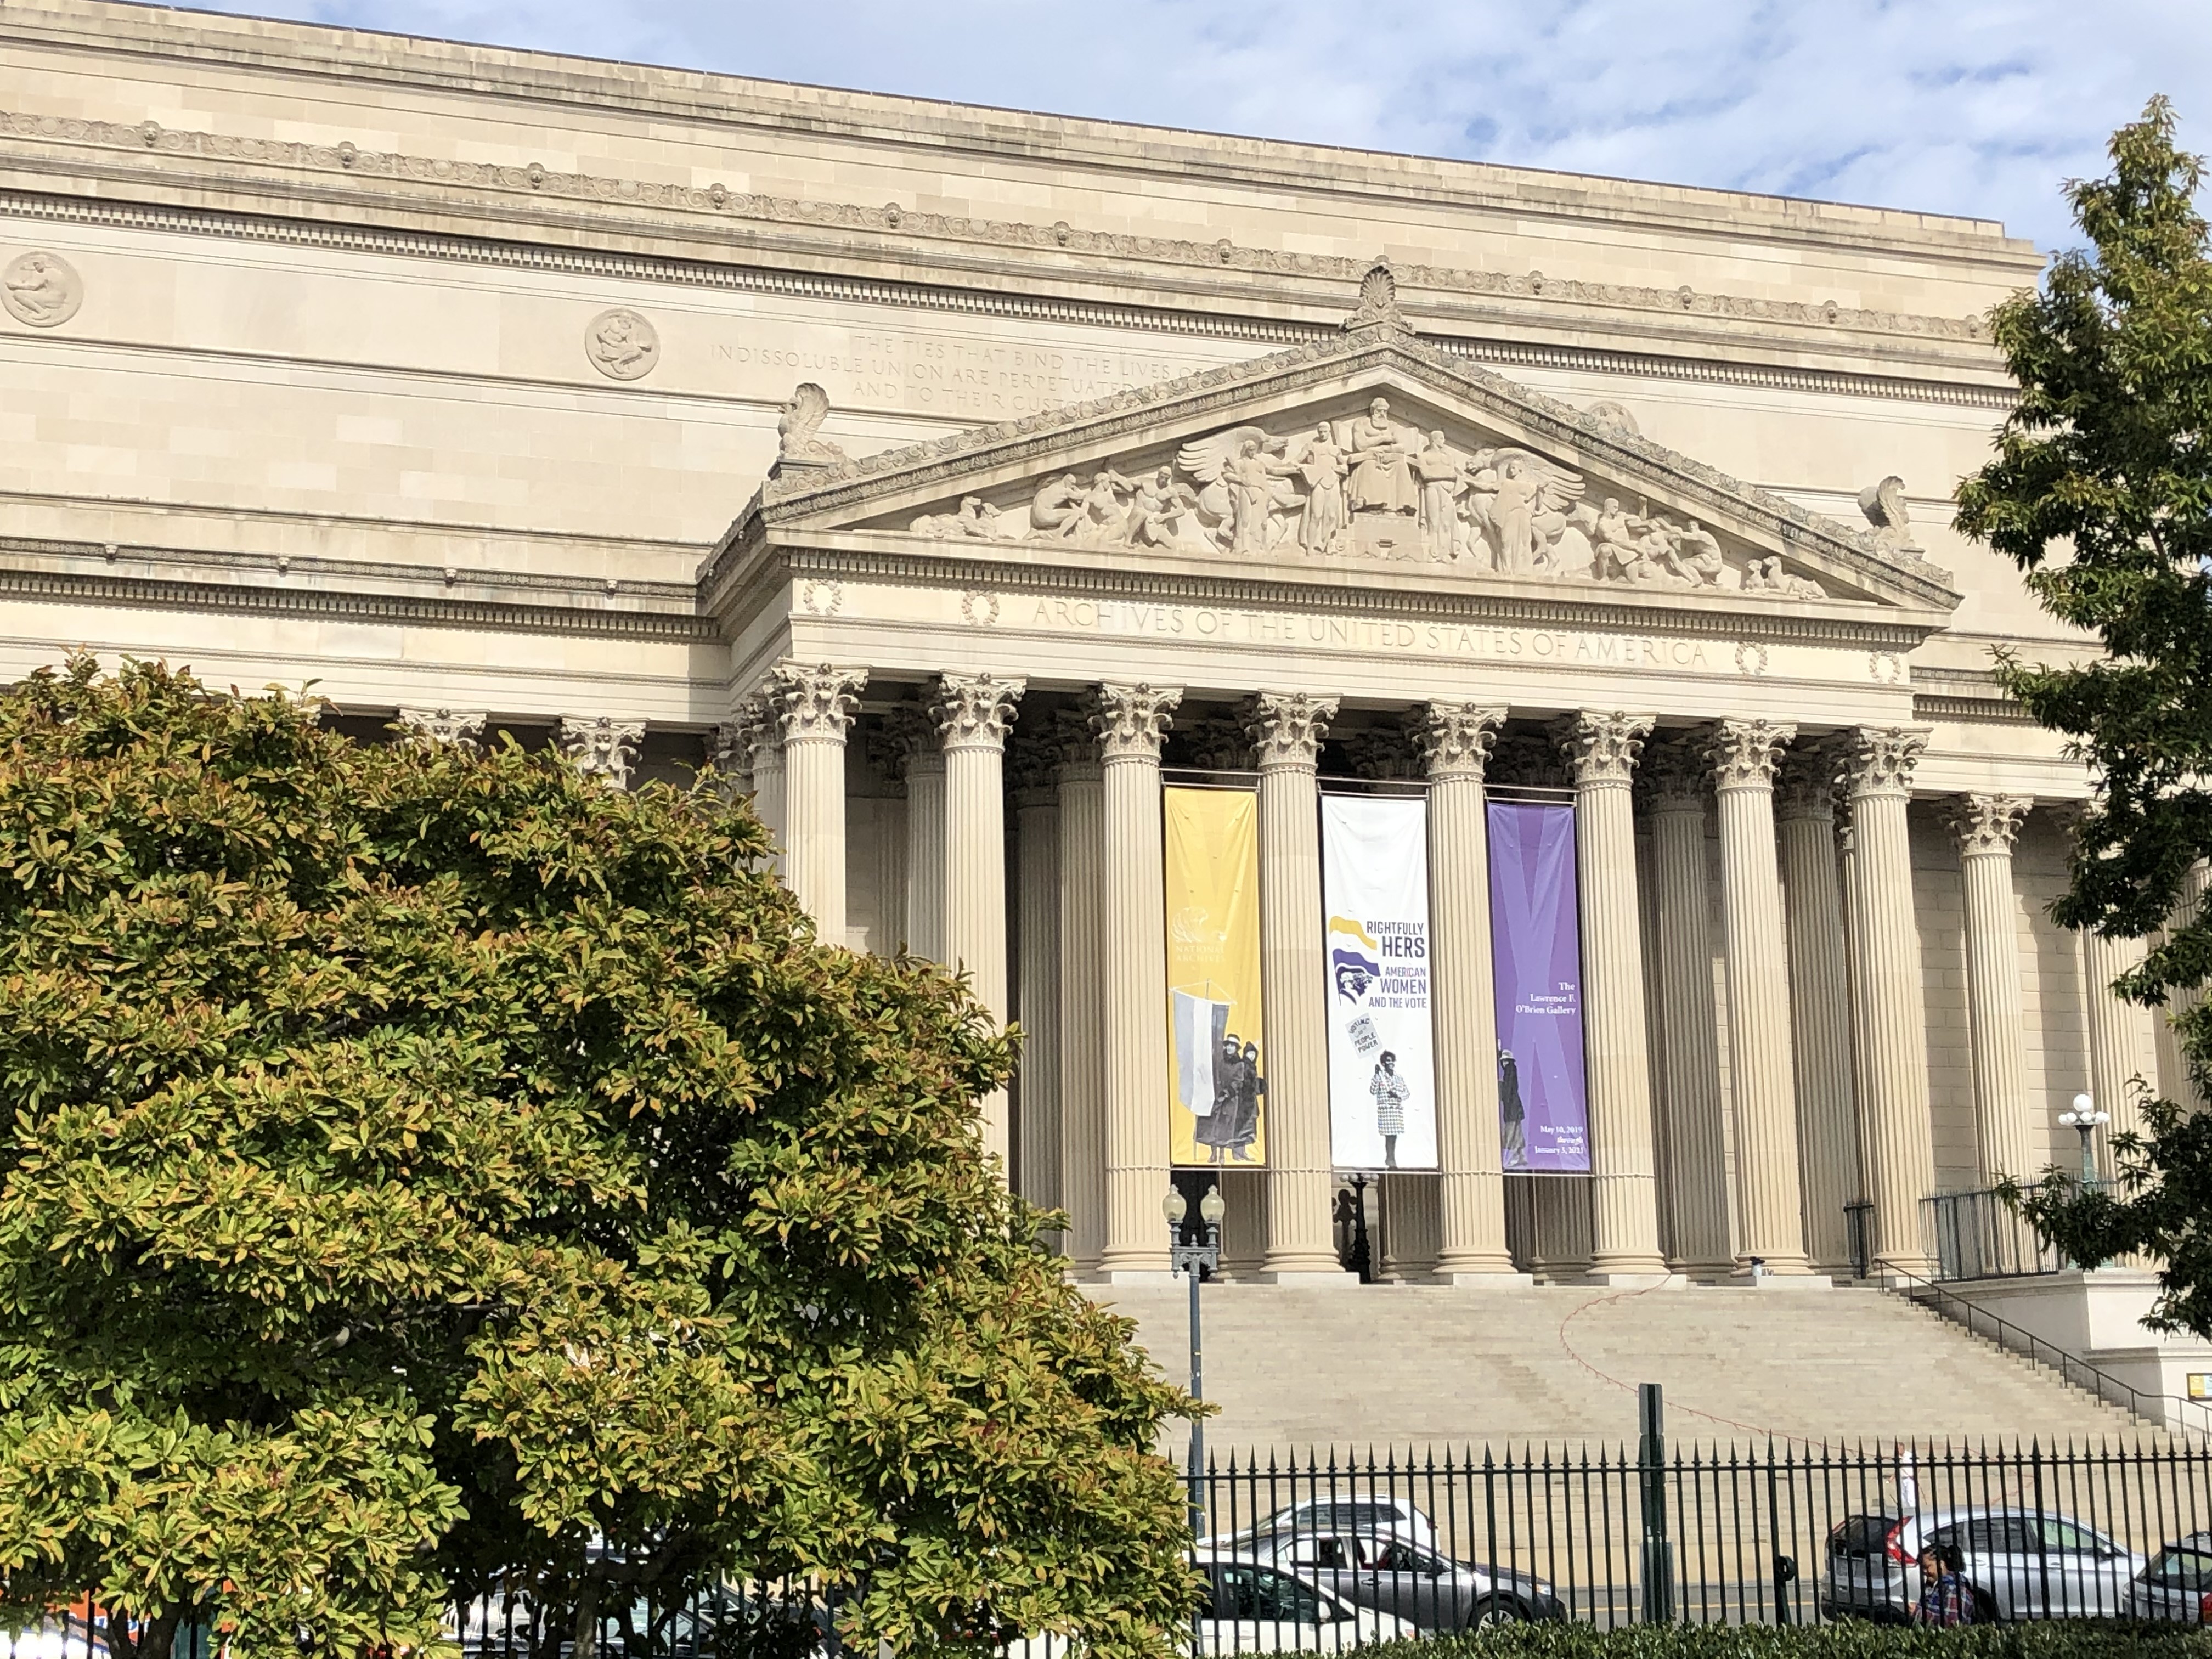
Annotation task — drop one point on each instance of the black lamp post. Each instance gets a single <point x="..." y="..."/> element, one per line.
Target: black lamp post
<point x="1196" y="1260"/>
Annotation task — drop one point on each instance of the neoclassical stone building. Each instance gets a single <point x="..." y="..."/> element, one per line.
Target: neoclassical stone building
<point x="949" y="478"/>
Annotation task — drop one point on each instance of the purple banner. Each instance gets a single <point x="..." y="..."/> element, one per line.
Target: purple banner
<point x="1535" y="952"/>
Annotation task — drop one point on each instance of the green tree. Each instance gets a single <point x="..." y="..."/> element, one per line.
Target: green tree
<point x="422" y="1165"/>
<point x="2101" y="490"/>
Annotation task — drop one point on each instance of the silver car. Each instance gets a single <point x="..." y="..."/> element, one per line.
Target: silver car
<point x="1411" y="1581"/>
<point x="2021" y="1563"/>
<point x="2176" y="1588"/>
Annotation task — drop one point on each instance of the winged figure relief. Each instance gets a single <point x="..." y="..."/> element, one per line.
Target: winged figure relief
<point x="1245" y="487"/>
<point x="1523" y="503"/>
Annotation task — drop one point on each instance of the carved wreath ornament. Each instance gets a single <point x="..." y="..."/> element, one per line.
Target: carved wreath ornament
<point x="1372" y="487"/>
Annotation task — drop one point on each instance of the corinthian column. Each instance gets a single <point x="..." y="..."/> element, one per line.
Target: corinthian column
<point x="921" y="764"/>
<point x="1985" y="826"/>
<point x="1623" y="1197"/>
<point x="2116" y="1055"/>
<point x="768" y="773"/>
<point x="972" y="712"/>
<point x="814" y="703"/>
<point x="1036" y="841"/>
<point x="1082" y="948"/>
<point x="1677" y="788"/>
<point x="1286" y="729"/>
<point x="1743" y="754"/>
<point x="1129" y="721"/>
<point x="1820" y="1002"/>
<point x="1892" y="1019"/>
<point x="1455" y="740"/>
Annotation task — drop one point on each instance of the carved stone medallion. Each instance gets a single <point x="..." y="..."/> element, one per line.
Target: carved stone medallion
<point x="41" y="288"/>
<point x="621" y="344"/>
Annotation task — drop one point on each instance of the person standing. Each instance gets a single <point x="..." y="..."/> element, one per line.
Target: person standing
<point x="1512" y="1115"/>
<point x="1945" y="1598"/>
<point x="1391" y="1092"/>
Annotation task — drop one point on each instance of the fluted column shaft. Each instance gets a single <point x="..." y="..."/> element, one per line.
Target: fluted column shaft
<point x="972" y="712"/>
<point x="1689" y="1055"/>
<point x="2116" y="1056"/>
<point x="1985" y="826"/>
<point x="2179" y="1084"/>
<point x="1624" y="1198"/>
<point x="911" y="735"/>
<point x="1036" y="837"/>
<point x="1082" y="1033"/>
<point x="814" y="702"/>
<point x="1286" y="729"/>
<point x="1455" y="740"/>
<point x="1819" y="1005"/>
<point x="1129" y="721"/>
<point x="767" y="781"/>
<point x="1892" y="1018"/>
<point x="1770" y="1206"/>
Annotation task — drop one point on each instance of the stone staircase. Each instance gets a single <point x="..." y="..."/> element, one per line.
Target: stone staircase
<point x="1404" y="1365"/>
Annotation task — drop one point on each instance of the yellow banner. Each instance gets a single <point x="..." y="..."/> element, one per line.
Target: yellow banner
<point x="1217" y="1048"/>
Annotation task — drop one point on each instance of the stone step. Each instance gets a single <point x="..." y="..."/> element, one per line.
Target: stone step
<point x="1346" y="1366"/>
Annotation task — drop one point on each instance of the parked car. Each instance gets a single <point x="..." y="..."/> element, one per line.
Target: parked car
<point x="2021" y="1563"/>
<point x="1371" y="1513"/>
<point x="1253" y="1607"/>
<point x="2176" y="1585"/>
<point x="1411" y="1582"/>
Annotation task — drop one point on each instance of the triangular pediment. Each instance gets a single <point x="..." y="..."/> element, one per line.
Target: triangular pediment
<point x="1374" y="450"/>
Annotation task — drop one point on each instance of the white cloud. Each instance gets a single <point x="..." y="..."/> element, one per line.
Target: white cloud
<point x="1978" y="107"/>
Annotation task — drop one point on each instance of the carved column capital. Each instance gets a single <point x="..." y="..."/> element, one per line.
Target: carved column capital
<point x="907" y="742"/>
<point x="1807" y="786"/>
<point x="815" y="703"/>
<point x="1287" y="727"/>
<point x="1601" y="746"/>
<point x="1032" y="762"/>
<point x="1675" y="776"/>
<point x="729" y="747"/>
<point x="1218" y="744"/>
<point x="433" y="726"/>
<point x="1130" y="720"/>
<point x="1987" y="824"/>
<point x="601" y="747"/>
<point x="1075" y="743"/>
<point x="1386" y="754"/>
<point x="1456" y="739"/>
<point x="1744" y="753"/>
<point x="973" y="711"/>
<point x="1880" y="759"/>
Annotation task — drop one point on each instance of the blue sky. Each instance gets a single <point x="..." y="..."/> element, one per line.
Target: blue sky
<point x="1969" y="106"/>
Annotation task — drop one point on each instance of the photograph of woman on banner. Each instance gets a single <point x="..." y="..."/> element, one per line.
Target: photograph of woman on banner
<point x="1512" y="1115"/>
<point x="1234" y="1123"/>
<point x="1390" y="1091"/>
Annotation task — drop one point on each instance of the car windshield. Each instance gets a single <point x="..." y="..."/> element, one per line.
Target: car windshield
<point x="2183" y="1569"/>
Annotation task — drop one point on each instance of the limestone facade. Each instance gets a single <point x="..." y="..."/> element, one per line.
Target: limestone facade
<point x="944" y="474"/>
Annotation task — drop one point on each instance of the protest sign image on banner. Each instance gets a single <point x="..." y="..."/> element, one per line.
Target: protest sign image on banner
<point x="1543" y="1106"/>
<point x="1381" y="1068"/>
<point x="1217" y="1044"/>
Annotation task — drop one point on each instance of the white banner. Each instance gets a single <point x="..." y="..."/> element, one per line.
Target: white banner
<point x="1382" y="1065"/>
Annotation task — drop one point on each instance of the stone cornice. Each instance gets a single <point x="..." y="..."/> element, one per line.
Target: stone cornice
<point x="1039" y="442"/>
<point x="881" y="557"/>
<point x="1692" y="364"/>
<point x="82" y="573"/>
<point x="370" y="179"/>
<point x="715" y="103"/>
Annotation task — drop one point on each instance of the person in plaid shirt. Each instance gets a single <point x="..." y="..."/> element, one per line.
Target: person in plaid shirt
<point x="1946" y="1597"/>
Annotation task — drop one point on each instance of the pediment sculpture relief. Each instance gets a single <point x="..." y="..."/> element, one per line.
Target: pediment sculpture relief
<point x="1370" y="486"/>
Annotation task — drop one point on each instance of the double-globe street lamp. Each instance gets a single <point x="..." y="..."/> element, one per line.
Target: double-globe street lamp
<point x="1195" y="1260"/>
<point x="2084" y="1119"/>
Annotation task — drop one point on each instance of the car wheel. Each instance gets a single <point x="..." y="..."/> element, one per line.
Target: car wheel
<point x="1492" y="1612"/>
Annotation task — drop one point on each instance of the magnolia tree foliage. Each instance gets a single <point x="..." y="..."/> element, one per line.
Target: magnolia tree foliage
<point x="2101" y="490"/>
<point x="420" y="1163"/>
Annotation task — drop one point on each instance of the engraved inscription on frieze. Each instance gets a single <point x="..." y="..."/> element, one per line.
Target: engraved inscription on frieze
<point x="621" y="344"/>
<point x="41" y="288"/>
<point x="1362" y="483"/>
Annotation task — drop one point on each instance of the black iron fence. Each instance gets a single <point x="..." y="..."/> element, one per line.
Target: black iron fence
<point x="1979" y="1235"/>
<point x="1327" y="1552"/>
